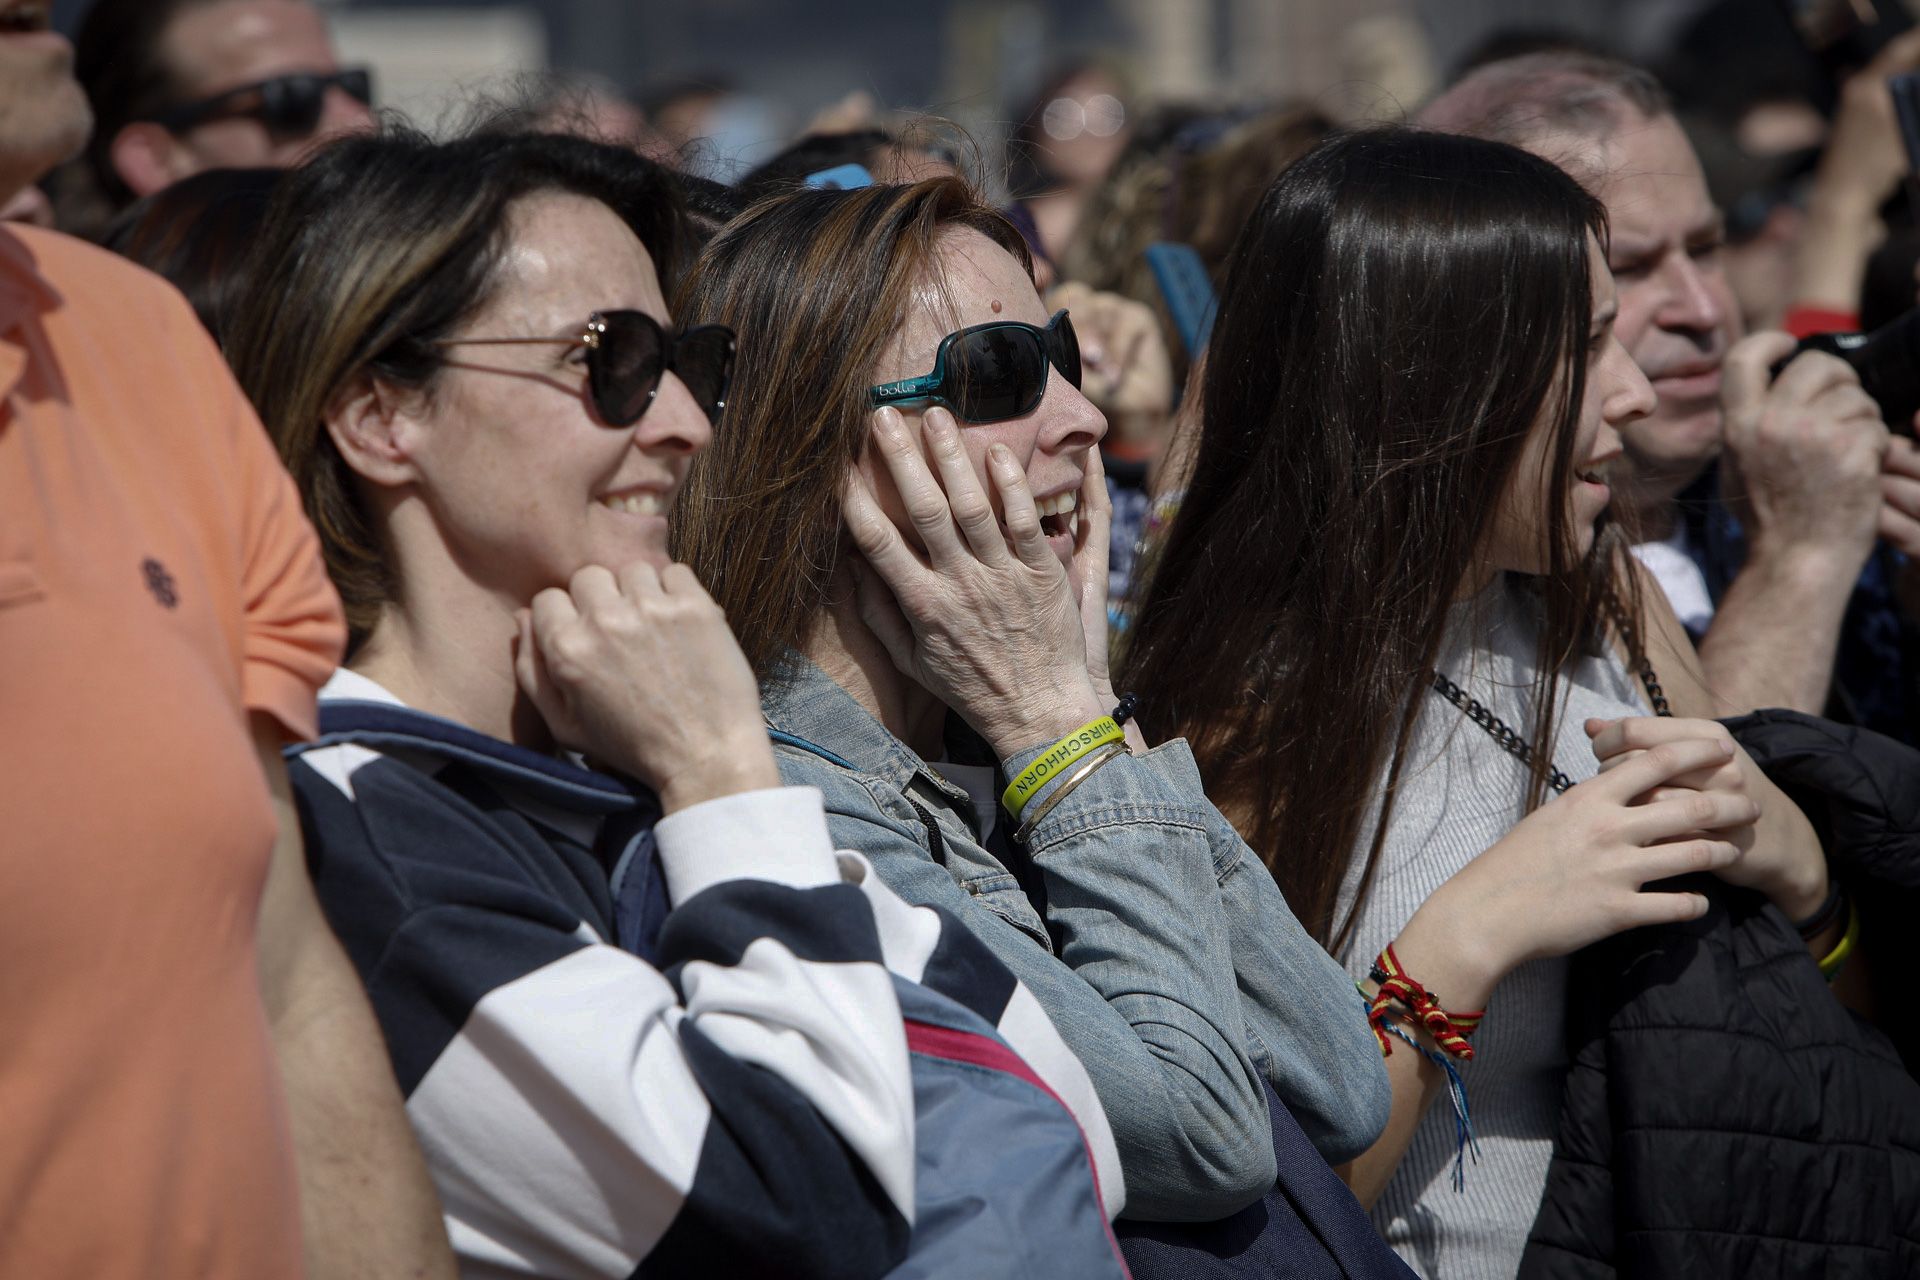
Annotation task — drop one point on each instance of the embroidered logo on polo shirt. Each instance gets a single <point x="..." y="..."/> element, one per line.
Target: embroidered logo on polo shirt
<point x="159" y="581"/>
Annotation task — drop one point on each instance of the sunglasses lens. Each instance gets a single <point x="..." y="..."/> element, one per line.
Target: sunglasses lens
<point x="996" y="374"/>
<point x="1063" y="349"/>
<point x="624" y="370"/>
<point x="703" y="360"/>
<point x="292" y="104"/>
<point x="357" y="84"/>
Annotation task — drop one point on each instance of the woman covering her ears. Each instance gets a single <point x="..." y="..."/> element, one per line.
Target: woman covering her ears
<point x="905" y="520"/>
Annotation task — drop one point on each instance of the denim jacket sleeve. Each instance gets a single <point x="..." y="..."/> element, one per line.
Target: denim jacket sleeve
<point x="1141" y="835"/>
<point x="1144" y="987"/>
<point x="1306" y="1024"/>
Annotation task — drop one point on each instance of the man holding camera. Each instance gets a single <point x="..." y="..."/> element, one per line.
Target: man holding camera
<point x="1769" y="553"/>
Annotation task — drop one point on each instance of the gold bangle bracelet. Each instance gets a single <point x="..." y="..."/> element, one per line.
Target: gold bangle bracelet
<point x="1061" y="792"/>
<point x="1078" y="745"/>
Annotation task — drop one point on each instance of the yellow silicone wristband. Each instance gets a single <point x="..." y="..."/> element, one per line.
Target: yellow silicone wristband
<point x="1830" y="964"/>
<point x="1090" y="736"/>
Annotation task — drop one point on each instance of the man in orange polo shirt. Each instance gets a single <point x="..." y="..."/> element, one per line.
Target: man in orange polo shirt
<point x="189" y="1072"/>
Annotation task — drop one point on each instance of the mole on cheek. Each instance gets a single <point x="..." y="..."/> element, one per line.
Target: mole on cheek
<point x="996" y="306"/>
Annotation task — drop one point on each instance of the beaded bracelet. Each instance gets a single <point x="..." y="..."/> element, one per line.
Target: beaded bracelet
<point x="1088" y="738"/>
<point x="1086" y="770"/>
<point x="1396" y="985"/>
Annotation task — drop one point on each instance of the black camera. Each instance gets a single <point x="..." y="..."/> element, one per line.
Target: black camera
<point x="1887" y="360"/>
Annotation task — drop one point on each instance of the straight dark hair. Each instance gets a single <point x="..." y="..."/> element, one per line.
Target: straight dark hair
<point x="378" y="246"/>
<point x="1399" y="313"/>
<point x="197" y="234"/>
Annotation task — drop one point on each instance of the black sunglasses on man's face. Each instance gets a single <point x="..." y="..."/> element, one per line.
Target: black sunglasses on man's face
<point x="289" y="104"/>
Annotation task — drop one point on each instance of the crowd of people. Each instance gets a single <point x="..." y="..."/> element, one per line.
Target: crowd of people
<point x="1270" y="696"/>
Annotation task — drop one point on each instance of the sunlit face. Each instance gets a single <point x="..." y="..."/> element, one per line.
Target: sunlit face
<point x="524" y="482"/>
<point x="983" y="283"/>
<point x="1617" y="395"/>
<point x="43" y="112"/>
<point x="212" y="48"/>
<point x="1677" y="311"/>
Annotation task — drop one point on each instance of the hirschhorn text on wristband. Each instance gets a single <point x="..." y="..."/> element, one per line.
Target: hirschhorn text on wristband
<point x="1088" y="737"/>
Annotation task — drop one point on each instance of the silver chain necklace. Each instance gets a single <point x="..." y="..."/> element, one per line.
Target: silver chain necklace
<point x="1518" y="747"/>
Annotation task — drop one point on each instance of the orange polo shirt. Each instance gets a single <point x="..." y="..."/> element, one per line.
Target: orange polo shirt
<point x="157" y="583"/>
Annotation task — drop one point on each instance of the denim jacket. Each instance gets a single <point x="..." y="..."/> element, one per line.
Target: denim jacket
<point x="1164" y="952"/>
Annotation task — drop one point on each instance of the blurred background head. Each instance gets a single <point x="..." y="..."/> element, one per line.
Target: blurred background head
<point x="182" y="86"/>
<point x="887" y="157"/>
<point x="1072" y="132"/>
<point x="43" y="114"/>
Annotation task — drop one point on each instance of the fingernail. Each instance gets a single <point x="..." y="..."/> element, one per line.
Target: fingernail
<point x="1002" y="454"/>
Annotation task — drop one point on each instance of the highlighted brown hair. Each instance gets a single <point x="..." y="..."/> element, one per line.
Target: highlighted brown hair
<point x="815" y="284"/>
<point x="373" y="250"/>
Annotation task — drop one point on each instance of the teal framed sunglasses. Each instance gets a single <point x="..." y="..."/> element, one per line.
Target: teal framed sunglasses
<point x="992" y="372"/>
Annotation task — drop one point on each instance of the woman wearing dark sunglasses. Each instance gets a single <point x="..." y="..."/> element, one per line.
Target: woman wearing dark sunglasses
<point x="905" y="520"/>
<point x="636" y="1026"/>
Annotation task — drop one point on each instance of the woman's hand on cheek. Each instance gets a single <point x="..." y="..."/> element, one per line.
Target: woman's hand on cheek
<point x="985" y="621"/>
<point x="639" y="671"/>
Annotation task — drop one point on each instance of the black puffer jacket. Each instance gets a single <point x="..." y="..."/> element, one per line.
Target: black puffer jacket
<point x="1724" y="1115"/>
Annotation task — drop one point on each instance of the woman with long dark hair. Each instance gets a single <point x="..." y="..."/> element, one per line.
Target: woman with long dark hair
<point x="1394" y="622"/>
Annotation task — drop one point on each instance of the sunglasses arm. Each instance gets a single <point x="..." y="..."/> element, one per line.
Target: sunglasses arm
<point x="906" y="389"/>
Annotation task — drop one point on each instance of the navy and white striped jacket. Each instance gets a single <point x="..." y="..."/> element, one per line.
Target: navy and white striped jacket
<point x="745" y="1099"/>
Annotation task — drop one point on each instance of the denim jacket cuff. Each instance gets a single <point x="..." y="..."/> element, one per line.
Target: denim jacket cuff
<point x="1162" y="786"/>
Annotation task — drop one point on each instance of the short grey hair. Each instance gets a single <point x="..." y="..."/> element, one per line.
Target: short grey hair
<point x="1518" y="100"/>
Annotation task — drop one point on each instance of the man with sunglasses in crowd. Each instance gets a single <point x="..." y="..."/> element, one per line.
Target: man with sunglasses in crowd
<point x="192" y="1083"/>
<point x="182" y="86"/>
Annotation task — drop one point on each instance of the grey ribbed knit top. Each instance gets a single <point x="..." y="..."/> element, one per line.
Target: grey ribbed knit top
<point x="1459" y="793"/>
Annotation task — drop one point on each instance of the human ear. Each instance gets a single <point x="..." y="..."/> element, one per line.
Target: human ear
<point x="148" y="157"/>
<point x="374" y="431"/>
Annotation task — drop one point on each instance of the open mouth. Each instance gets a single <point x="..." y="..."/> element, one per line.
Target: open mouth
<point x="1594" y="474"/>
<point x="642" y="502"/>
<point x="25" y="19"/>
<point x="1060" y="515"/>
